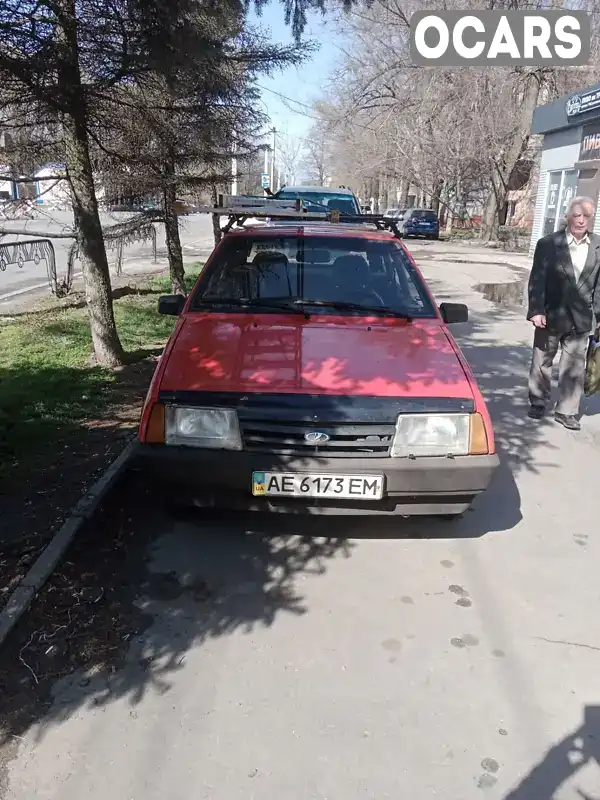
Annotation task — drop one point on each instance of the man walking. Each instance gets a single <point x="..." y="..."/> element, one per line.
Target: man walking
<point x="563" y="308"/>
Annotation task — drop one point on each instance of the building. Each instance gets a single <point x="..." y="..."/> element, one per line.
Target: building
<point x="8" y="187"/>
<point x="570" y="161"/>
<point x="51" y="187"/>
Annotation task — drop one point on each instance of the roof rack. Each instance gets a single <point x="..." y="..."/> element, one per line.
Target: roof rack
<point x="241" y="208"/>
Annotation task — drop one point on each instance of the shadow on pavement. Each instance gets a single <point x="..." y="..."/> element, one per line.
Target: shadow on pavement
<point x="139" y="589"/>
<point x="563" y="761"/>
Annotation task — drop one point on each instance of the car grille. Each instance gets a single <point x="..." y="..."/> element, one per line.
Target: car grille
<point x="362" y="439"/>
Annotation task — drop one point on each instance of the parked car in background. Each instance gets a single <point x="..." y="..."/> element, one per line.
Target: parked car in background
<point x="420" y="222"/>
<point x="395" y="213"/>
<point x="322" y="198"/>
<point x="183" y="208"/>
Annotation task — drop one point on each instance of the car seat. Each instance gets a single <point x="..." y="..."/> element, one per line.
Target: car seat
<point x="272" y="275"/>
<point x="350" y="280"/>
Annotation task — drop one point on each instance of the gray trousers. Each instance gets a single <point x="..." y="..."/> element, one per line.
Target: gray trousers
<point x="571" y="369"/>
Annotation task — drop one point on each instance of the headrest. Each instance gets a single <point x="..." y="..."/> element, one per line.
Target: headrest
<point x="314" y="257"/>
<point x="270" y="257"/>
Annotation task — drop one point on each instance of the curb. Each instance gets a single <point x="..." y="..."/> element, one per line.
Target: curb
<point x="47" y="561"/>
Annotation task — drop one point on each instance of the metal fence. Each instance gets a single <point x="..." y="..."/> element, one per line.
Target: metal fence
<point x="32" y="251"/>
<point x="116" y="239"/>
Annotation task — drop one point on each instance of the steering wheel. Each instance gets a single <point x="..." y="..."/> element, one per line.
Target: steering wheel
<point x="366" y="296"/>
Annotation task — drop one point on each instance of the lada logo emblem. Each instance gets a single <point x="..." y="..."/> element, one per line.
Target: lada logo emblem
<point x="316" y="437"/>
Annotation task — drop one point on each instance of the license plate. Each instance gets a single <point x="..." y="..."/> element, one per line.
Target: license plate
<point x="344" y="487"/>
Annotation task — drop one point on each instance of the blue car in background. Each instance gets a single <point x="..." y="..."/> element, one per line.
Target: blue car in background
<point x="420" y="222"/>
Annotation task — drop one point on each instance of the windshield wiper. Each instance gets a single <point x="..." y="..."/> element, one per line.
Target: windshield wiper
<point x="247" y="302"/>
<point x="299" y="305"/>
<point x="342" y="306"/>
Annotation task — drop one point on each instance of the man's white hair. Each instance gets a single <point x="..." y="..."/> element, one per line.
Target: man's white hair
<point x="580" y="201"/>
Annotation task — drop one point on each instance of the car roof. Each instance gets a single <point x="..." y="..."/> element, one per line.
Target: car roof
<point x="341" y="229"/>
<point x="318" y="189"/>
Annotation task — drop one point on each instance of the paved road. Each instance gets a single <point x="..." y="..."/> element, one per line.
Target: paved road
<point x="196" y="237"/>
<point x="407" y="660"/>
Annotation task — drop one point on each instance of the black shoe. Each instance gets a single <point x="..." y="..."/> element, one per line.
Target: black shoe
<point x="571" y="423"/>
<point x="536" y="412"/>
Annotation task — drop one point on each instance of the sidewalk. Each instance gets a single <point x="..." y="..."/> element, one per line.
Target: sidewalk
<point x="476" y="252"/>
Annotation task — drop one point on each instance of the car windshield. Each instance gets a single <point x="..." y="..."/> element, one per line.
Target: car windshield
<point x="320" y="200"/>
<point x="424" y="215"/>
<point x="254" y="269"/>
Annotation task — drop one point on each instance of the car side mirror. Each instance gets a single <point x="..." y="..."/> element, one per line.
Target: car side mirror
<point x="171" y="304"/>
<point x="454" y="312"/>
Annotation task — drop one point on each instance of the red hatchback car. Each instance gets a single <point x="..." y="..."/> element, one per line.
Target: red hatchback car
<point x="310" y="370"/>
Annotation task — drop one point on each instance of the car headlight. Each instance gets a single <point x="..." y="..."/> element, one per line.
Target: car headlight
<point x="216" y="428"/>
<point x="431" y="435"/>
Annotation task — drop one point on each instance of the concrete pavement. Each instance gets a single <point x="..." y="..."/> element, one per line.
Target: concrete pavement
<point x="357" y="659"/>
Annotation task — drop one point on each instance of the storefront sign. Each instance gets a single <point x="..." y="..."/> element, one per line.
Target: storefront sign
<point x="590" y="143"/>
<point x="581" y="103"/>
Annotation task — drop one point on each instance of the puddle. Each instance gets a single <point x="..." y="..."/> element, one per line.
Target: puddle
<point x="504" y="294"/>
<point x="482" y="263"/>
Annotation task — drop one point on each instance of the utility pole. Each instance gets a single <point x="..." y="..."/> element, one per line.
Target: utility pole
<point x="274" y="132"/>
<point x="234" y="181"/>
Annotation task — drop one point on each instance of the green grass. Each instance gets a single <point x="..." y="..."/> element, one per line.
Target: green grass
<point x="48" y="391"/>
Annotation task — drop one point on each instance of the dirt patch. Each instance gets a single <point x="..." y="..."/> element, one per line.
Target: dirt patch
<point x="82" y="620"/>
<point x="33" y="510"/>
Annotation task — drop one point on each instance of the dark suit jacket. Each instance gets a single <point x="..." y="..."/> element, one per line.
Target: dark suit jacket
<point x="569" y="305"/>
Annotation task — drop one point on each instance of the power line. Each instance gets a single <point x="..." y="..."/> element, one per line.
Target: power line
<point x="310" y="116"/>
<point x="289" y="99"/>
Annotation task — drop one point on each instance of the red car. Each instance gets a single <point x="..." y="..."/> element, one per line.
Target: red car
<point x="310" y="370"/>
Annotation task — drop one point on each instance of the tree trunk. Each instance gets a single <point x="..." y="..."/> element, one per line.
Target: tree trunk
<point x="450" y="205"/>
<point x="216" y="220"/>
<point x="509" y="159"/>
<point x="405" y="192"/>
<point x="489" y="227"/>
<point x="108" y="350"/>
<point x="173" y="242"/>
<point x="437" y="194"/>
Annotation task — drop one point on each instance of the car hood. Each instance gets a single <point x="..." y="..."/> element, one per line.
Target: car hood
<point x="322" y="355"/>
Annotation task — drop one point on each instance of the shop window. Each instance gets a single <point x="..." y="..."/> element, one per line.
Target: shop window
<point x="568" y="192"/>
<point x="562" y="188"/>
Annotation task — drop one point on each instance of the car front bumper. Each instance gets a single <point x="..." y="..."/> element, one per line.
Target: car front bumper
<point x="223" y="479"/>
